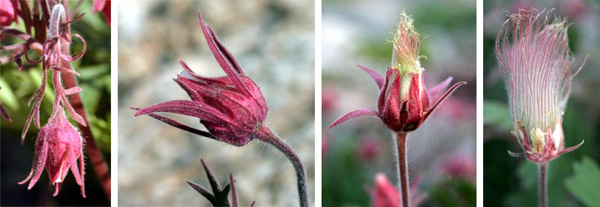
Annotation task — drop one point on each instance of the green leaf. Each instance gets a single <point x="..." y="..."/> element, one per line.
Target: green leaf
<point x="584" y="184"/>
<point x="496" y="113"/>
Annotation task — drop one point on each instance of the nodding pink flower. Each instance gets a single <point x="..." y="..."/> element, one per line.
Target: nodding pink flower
<point x="535" y="59"/>
<point x="385" y="194"/>
<point x="7" y="12"/>
<point x="404" y="102"/>
<point x="59" y="148"/>
<point x="104" y="7"/>
<point x="231" y="107"/>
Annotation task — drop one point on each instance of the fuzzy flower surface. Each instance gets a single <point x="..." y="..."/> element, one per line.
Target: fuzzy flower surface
<point x="231" y="107"/>
<point x="534" y="56"/>
<point x="404" y="103"/>
<point x="59" y="148"/>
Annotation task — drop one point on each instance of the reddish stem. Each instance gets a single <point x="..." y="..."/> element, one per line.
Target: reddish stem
<point x="543" y="169"/>
<point x="269" y="137"/>
<point x="94" y="154"/>
<point x="403" y="168"/>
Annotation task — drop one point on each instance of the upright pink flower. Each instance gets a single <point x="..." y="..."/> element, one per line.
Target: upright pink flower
<point x="58" y="148"/>
<point x="232" y="107"/>
<point x="404" y="103"/>
<point x="535" y="59"/>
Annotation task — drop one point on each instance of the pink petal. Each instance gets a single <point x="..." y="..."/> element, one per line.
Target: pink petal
<point x="353" y="114"/>
<point x="179" y="125"/>
<point x="188" y="108"/>
<point x="210" y="39"/>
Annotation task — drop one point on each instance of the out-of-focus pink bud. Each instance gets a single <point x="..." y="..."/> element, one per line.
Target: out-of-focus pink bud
<point x="384" y="194"/>
<point x="369" y="148"/>
<point x="59" y="148"/>
<point x="329" y="99"/>
<point x="460" y="165"/>
<point x="104" y="7"/>
<point x="7" y="12"/>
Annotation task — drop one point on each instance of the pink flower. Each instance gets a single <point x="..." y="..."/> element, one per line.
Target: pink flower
<point x="59" y="147"/>
<point x="535" y="59"/>
<point x="7" y="12"/>
<point x="232" y="107"/>
<point x="104" y="7"/>
<point x="404" y="102"/>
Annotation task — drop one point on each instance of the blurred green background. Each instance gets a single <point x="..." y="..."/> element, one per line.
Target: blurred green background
<point x="17" y="88"/>
<point x="574" y="178"/>
<point x="273" y="41"/>
<point x="442" y="151"/>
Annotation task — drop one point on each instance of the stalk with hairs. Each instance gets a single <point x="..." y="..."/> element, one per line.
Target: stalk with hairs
<point x="231" y="107"/>
<point x="404" y="103"/>
<point x="59" y="145"/>
<point x="534" y="57"/>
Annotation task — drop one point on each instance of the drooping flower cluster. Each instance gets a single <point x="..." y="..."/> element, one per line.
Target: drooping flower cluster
<point x="404" y="103"/>
<point x="47" y="33"/>
<point x="232" y="107"/>
<point x="535" y="60"/>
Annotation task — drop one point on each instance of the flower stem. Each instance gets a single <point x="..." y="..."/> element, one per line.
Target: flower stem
<point x="95" y="156"/>
<point x="401" y="138"/>
<point x="269" y="137"/>
<point x="543" y="170"/>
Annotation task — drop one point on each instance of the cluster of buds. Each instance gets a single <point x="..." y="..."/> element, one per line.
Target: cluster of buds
<point x="535" y="60"/>
<point x="404" y="103"/>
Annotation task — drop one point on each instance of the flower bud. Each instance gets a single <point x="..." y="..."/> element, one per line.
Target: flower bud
<point x="7" y="12"/>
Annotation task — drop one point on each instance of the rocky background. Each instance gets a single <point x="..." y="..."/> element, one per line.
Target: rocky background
<point x="274" y="43"/>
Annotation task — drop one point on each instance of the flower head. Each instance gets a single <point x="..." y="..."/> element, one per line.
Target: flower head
<point x="59" y="147"/>
<point x="404" y="103"/>
<point x="231" y="107"/>
<point x="535" y="60"/>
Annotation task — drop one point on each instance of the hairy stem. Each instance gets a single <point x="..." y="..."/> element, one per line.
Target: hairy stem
<point x="401" y="138"/>
<point x="269" y="137"/>
<point x="94" y="153"/>
<point x="543" y="188"/>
